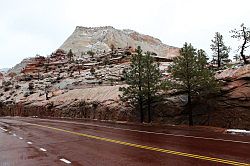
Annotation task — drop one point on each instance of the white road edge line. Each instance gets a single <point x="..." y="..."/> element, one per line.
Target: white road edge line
<point x="66" y="161"/>
<point x="14" y="135"/>
<point x="29" y="143"/>
<point x="151" y="132"/>
<point x="42" y="149"/>
<point x="20" y="138"/>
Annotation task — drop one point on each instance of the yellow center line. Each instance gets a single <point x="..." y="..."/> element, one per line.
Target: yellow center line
<point x="218" y="160"/>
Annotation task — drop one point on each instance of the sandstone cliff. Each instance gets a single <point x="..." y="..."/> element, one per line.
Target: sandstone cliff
<point x="97" y="39"/>
<point x="86" y="86"/>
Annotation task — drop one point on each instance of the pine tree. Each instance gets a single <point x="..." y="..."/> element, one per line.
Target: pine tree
<point x="143" y="78"/>
<point x="152" y="81"/>
<point x="242" y="34"/>
<point x="112" y="47"/>
<point x="134" y="78"/>
<point x="106" y="61"/>
<point x="236" y="57"/>
<point x="92" y="70"/>
<point x="91" y="53"/>
<point x="70" y="55"/>
<point x="190" y="75"/>
<point x="220" y="51"/>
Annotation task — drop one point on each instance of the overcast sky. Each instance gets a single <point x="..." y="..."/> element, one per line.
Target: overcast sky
<point x="30" y="27"/>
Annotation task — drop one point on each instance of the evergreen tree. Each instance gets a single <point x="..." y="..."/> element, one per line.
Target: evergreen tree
<point x="236" y="57"/>
<point x="106" y="61"/>
<point x="134" y="78"/>
<point x="79" y="67"/>
<point x="112" y="47"/>
<point x="152" y="82"/>
<point x="219" y="49"/>
<point x="91" y="53"/>
<point x="92" y="70"/>
<point x="190" y="75"/>
<point x="70" y="55"/>
<point x="242" y="34"/>
<point x="143" y="78"/>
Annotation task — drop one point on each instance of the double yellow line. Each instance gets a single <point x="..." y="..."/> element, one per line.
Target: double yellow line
<point x="218" y="160"/>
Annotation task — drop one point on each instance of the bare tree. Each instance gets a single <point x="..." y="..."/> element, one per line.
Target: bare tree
<point x="244" y="35"/>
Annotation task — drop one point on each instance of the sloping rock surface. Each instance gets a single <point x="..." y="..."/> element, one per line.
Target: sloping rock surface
<point x="97" y="39"/>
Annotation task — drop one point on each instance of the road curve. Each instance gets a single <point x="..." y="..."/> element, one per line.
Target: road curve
<point x="33" y="141"/>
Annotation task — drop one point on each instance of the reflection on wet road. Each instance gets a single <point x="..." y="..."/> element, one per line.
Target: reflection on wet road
<point x="29" y="141"/>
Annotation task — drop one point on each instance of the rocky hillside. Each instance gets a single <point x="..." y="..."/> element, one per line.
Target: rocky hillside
<point x="81" y="93"/>
<point x="20" y="66"/>
<point x="87" y="86"/>
<point x="97" y="39"/>
<point x="4" y="70"/>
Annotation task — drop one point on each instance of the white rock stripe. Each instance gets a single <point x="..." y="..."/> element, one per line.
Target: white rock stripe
<point x="66" y="161"/>
<point x="42" y="149"/>
<point x="29" y="143"/>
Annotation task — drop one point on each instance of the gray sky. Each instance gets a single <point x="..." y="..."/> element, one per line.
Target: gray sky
<point x="30" y="27"/>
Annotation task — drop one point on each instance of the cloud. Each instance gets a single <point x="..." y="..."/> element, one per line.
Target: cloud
<point x="29" y="27"/>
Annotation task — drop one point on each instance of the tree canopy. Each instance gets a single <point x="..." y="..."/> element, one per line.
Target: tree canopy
<point x="143" y="78"/>
<point x="220" y="51"/>
<point x="189" y="74"/>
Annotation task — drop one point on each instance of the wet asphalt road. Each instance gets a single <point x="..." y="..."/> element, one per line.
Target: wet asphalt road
<point x="35" y="142"/>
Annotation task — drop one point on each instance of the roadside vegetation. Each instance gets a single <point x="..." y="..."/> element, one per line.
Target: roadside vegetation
<point x="144" y="80"/>
<point x="190" y="74"/>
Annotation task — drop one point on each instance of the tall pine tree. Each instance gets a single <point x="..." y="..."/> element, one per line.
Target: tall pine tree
<point x="134" y="78"/>
<point x="190" y="75"/>
<point x="220" y="51"/>
<point x="152" y="82"/>
<point x="143" y="78"/>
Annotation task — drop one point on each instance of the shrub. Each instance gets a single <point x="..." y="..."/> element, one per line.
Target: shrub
<point x="31" y="86"/>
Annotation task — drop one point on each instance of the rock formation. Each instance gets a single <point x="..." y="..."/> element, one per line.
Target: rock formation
<point x="234" y="103"/>
<point x="229" y="109"/>
<point x="87" y="85"/>
<point x="97" y="39"/>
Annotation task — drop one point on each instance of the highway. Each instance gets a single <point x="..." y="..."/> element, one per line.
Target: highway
<point x="35" y="142"/>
